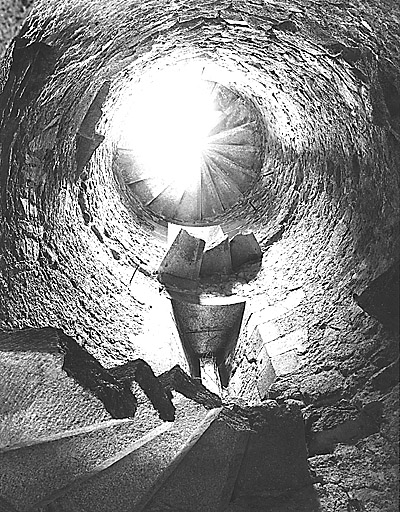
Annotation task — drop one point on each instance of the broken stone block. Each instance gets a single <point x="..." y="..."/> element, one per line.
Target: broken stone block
<point x="182" y="262"/>
<point x="217" y="261"/>
<point x="244" y="249"/>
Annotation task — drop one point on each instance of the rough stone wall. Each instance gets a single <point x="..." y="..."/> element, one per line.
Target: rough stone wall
<point x="12" y="16"/>
<point x="325" y="212"/>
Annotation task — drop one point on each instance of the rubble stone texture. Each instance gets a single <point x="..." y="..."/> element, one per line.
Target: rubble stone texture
<point x="77" y="254"/>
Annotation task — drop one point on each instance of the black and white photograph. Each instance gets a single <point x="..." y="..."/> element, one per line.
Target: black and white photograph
<point x="199" y="255"/>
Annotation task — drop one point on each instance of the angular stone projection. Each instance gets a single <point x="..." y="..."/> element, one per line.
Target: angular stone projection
<point x="38" y="397"/>
<point x="245" y="249"/>
<point x="381" y="298"/>
<point x="217" y="261"/>
<point x="208" y="329"/>
<point x="181" y="265"/>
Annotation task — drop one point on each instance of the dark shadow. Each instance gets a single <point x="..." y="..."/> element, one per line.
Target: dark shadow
<point x="300" y="500"/>
<point x="44" y="340"/>
<point x="381" y="298"/>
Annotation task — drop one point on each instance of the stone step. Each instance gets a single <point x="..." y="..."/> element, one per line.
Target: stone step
<point x="29" y="472"/>
<point x="39" y="399"/>
<point x="119" y="483"/>
<point x="239" y="135"/>
<point x="203" y="477"/>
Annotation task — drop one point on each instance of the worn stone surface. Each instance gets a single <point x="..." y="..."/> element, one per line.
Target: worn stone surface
<point x="303" y="500"/>
<point x="37" y="465"/>
<point x="123" y="484"/>
<point x="198" y="481"/>
<point x="12" y="15"/>
<point x="244" y="249"/>
<point x="38" y="398"/>
<point x="275" y="461"/>
<point x="115" y="395"/>
<point x="325" y="209"/>
<point x="217" y="261"/>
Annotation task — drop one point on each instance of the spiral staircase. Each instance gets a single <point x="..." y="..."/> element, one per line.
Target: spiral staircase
<point x="198" y="462"/>
<point x="228" y="167"/>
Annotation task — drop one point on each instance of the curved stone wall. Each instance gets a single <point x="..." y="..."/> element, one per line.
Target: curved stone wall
<point x="325" y="211"/>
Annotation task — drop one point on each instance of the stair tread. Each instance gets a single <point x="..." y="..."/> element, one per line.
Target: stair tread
<point x="39" y="465"/>
<point x="121" y="485"/>
<point x="198" y="483"/>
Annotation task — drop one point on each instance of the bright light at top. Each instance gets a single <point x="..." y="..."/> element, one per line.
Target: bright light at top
<point x="167" y="124"/>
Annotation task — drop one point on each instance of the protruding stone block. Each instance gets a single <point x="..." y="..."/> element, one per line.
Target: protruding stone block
<point x="269" y="331"/>
<point x="182" y="262"/>
<point x="217" y="261"/>
<point x="208" y="330"/>
<point x="286" y="363"/>
<point x="295" y="340"/>
<point x="244" y="249"/>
